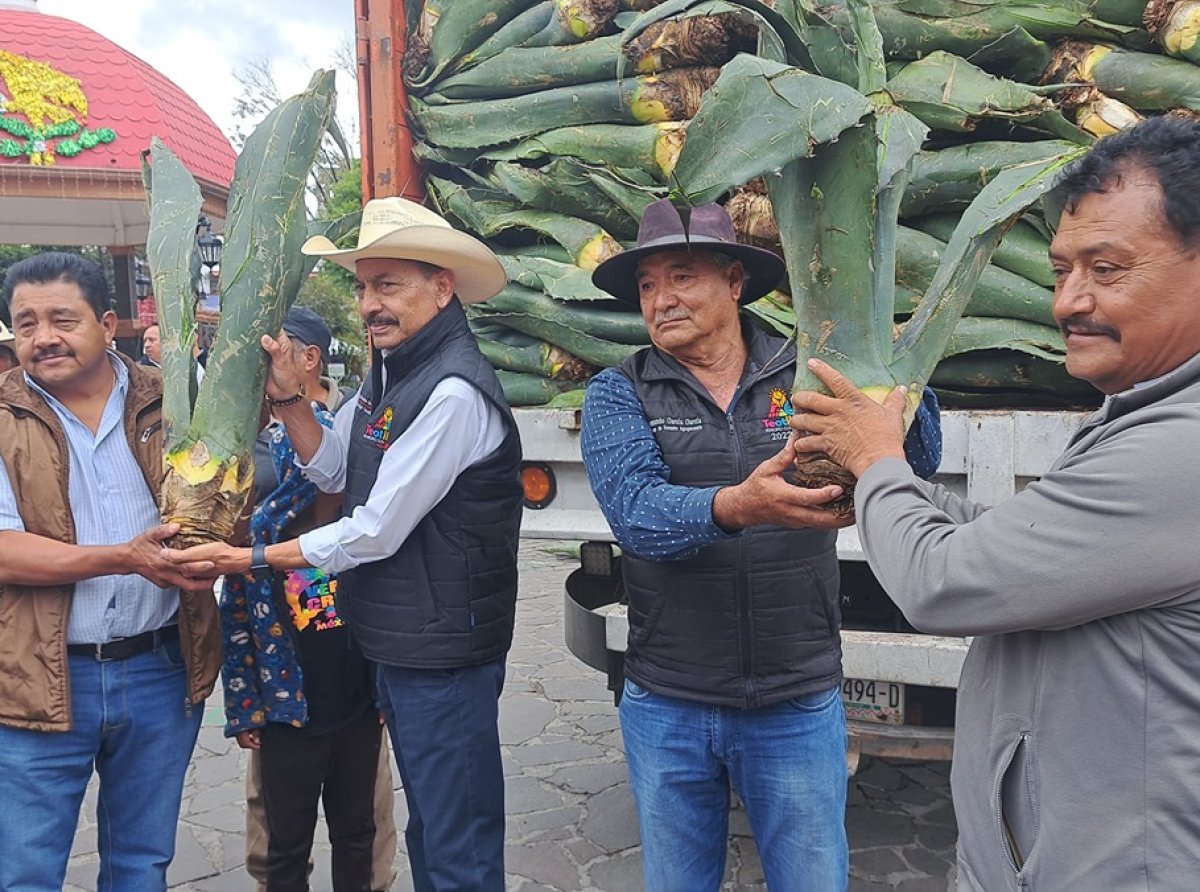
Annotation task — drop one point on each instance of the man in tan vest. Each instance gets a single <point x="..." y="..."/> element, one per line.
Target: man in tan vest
<point x="106" y="656"/>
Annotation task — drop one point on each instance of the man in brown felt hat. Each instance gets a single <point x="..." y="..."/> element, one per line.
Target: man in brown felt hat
<point x="733" y="664"/>
<point x="428" y="457"/>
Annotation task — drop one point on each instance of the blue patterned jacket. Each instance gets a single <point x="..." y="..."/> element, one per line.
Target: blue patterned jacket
<point x="261" y="676"/>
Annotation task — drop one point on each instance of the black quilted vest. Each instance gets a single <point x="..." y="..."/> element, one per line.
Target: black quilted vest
<point x="447" y="597"/>
<point x="754" y="619"/>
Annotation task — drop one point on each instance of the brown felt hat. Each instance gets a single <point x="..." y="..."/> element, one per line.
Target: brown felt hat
<point x="706" y="227"/>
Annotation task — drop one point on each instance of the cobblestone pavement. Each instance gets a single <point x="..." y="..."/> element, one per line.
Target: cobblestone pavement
<point x="571" y="822"/>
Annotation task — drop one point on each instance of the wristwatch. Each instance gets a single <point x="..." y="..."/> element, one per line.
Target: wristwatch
<point x="259" y="568"/>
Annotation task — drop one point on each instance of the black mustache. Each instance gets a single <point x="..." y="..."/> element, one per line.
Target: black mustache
<point x="1081" y="326"/>
<point x="50" y="354"/>
<point x="380" y="319"/>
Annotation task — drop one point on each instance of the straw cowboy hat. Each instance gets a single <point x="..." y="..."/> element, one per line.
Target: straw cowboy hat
<point x="706" y="227"/>
<point x="6" y="336"/>
<point x="397" y="229"/>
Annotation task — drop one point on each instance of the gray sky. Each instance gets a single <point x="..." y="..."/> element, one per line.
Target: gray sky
<point x="200" y="43"/>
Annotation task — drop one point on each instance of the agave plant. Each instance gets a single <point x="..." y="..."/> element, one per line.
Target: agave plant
<point x="208" y="441"/>
<point x="812" y="114"/>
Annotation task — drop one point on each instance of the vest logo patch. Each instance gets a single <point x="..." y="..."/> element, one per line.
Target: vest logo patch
<point x="779" y="412"/>
<point x="675" y="425"/>
<point x="380" y="432"/>
<point x="365" y="404"/>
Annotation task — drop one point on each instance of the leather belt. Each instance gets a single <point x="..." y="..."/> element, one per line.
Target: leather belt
<point x="124" y="648"/>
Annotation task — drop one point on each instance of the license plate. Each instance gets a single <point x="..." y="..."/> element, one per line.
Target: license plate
<point x="873" y="701"/>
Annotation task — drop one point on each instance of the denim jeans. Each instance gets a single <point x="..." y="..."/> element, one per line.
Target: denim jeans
<point x="447" y="747"/>
<point x="786" y="761"/>
<point x="131" y="724"/>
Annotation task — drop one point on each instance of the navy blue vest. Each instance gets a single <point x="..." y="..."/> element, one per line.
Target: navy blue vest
<point x="447" y="597"/>
<point x="754" y="619"/>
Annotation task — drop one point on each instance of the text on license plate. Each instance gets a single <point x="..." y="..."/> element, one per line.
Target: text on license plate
<point x="873" y="701"/>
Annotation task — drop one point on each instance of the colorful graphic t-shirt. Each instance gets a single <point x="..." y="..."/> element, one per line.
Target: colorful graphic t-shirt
<point x="336" y="675"/>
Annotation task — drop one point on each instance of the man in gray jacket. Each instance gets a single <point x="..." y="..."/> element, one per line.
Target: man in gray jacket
<point x="1077" y="749"/>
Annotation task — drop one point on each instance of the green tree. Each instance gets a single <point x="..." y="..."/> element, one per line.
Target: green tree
<point x="333" y="301"/>
<point x="330" y="290"/>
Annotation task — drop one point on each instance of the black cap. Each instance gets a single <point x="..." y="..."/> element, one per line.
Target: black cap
<point x="308" y="328"/>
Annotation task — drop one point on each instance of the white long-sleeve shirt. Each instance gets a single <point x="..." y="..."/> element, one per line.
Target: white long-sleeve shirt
<point x="455" y="429"/>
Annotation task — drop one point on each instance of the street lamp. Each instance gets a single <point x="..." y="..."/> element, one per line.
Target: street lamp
<point x="209" y="245"/>
<point x="142" y="285"/>
<point x="143" y="292"/>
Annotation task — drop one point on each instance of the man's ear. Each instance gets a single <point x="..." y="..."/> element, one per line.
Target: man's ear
<point x="443" y="283"/>
<point x="108" y="321"/>
<point x="312" y="356"/>
<point x="737" y="280"/>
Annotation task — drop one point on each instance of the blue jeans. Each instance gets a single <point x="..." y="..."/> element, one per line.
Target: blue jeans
<point x="786" y="761"/>
<point x="447" y="747"/>
<point x="131" y="724"/>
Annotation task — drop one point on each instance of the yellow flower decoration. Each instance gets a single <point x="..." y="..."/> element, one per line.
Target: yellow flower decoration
<point x="42" y="94"/>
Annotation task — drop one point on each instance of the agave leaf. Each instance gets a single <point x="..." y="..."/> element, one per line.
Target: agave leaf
<point x="651" y="148"/>
<point x="462" y="27"/>
<point x="872" y="73"/>
<point x="586" y="242"/>
<point x="949" y="93"/>
<point x="778" y="315"/>
<point x="984" y="223"/>
<point x="570" y="187"/>
<point x="944" y="9"/>
<point x="828" y="231"/>
<point x="778" y="40"/>
<point x="562" y="281"/>
<point x="568" y="399"/>
<point x="1065" y="14"/>
<point x="832" y="56"/>
<point x="334" y="230"/>
<point x="175" y="204"/>
<point x="618" y="327"/>
<point x="262" y="266"/>
<point x="630" y="189"/>
<point x="900" y="137"/>
<point x="981" y="333"/>
<point x="1016" y="54"/>
<point x="952" y="177"/>
<point x="758" y="117"/>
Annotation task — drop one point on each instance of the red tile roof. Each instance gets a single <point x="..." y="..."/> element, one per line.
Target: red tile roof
<point x="123" y="93"/>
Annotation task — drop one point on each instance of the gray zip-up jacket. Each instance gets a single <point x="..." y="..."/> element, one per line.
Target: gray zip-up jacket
<point x="1077" y="742"/>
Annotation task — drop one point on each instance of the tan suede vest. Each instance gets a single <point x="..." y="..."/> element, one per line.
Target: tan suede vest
<point x="34" y="688"/>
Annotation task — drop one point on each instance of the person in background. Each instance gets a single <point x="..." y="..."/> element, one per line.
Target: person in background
<point x="8" y="357"/>
<point x="733" y="666"/>
<point x="108" y="651"/>
<point x="298" y="693"/>
<point x="1077" y="738"/>
<point x="151" y="347"/>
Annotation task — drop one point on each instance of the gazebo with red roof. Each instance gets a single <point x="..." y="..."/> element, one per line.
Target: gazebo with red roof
<point x="76" y="113"/>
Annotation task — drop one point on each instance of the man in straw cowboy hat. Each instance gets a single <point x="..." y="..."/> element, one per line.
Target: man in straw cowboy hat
<point x="428" y="457"/>
<point x="733" y="664"/>
<point x="8" y="356"/>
